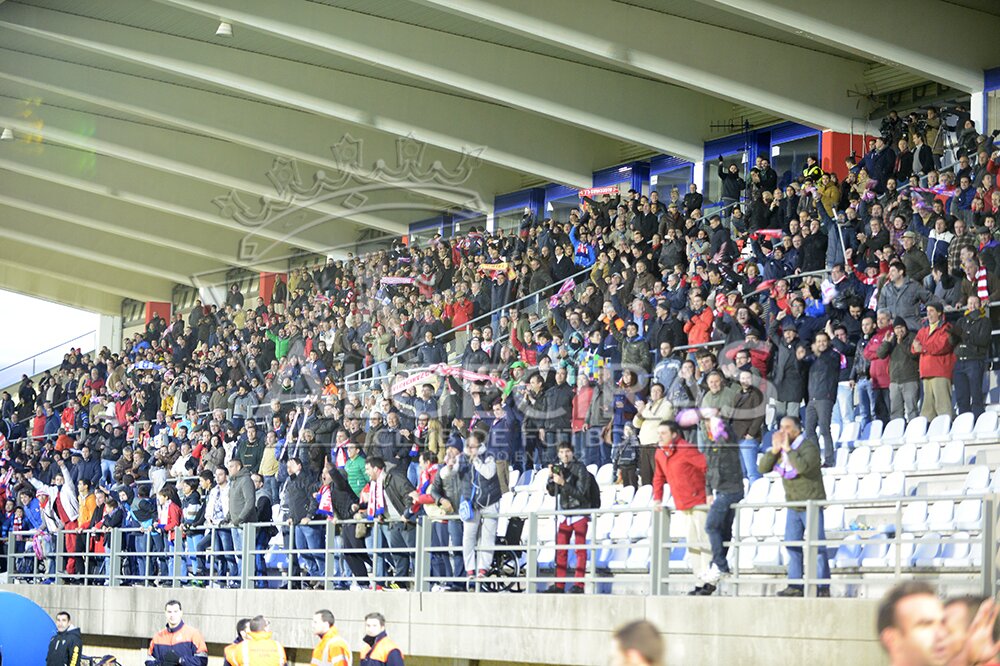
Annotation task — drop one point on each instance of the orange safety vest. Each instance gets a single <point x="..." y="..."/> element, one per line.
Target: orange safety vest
<point x="259" y="649"/>
<point x="332" y="650"/>
<point x="230" y="653"/>
<point x="379" y="653"/>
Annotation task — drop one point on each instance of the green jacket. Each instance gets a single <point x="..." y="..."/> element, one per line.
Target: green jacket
<point x="281" y="345"/>
<point x="806" y="460"/>
<point x="356" y="476"/>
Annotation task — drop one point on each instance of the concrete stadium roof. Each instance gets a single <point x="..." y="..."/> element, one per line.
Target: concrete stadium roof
<point x="150" y="152"/>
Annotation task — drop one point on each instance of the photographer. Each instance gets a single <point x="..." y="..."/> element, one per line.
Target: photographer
<point x="570" y="483"/>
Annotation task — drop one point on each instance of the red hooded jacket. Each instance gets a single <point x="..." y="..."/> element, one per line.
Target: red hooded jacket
<point x="684" y="469"/>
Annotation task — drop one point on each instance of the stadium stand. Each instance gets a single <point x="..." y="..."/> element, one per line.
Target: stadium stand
<point x="393" y="420"/>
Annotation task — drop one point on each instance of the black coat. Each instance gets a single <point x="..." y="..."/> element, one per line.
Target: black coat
<point x="788" y="373"/>
<point x="65" y="648"/>
<point x="824" y="373"/>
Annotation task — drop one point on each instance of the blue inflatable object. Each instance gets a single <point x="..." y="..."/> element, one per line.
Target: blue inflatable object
<point x="25" y="631"/>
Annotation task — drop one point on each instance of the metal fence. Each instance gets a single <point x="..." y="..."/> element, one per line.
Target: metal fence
<point x="425" y="555"/>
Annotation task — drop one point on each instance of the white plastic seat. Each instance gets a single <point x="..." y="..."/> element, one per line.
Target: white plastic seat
<point x="873" y="554"/>
<point x="780" y="516"/>
<point x="606" y="475"/>
<point x="520" y="504"/>
<point x="747" y="552"/>
<point x="940" y="429"/>
<point x="840" y="460"/>
<point x="953" y="454"/>
<point x="871" y="434"/>
<point x="941" y="516"/>
<point x="916" y="431"/>
<point x="848" y="434"/>
<point x="977" y="481"/>
<point x="535" y="501"/>
<point x="927" y="549"/>
<point x="846" y="488"/>
<point x="849" y="552"/>
<point x="624" y="495"/>
<point x="758" y="491"/>
<point x="515" y="476"/>
<point x="829" y="481"/>
<point x="833" y="517"/>
<point x="608" y="497"/>
<point x="744" y="520"/>
<point x="546" y="529"/>
<point x="956" y="551"/>
<point x="620" y="529"/>
<point x="906" y="548"/>
<point x="905" y="459"/>
<point x="894" y="432"/>
<point x="617" y="562"/>
<point x="776" y="493"/>
<point x="640" y="526"/>
<point x="592" y="468"/>
<point x="859" y="460"/>
<point x="638" y="557"/>
<point x="969" y="515"/>
<point x="835" y="429"/>
<point x="539" y="480"/>
<point x="643" y="497"/>
<point x="869" y="486"/>
<point x="763" y="522"/>
<point x="962" y="430"/>
<point x="893" y="485"/>
<point x="602" y="526"/>
<point x="768" y="553"/>
<point x="881" y="459"/>
<point x="986" y="427"/>
<point x="929" y="457"/>
<point x="914" y="518"/>
<point x="995" y="482"/>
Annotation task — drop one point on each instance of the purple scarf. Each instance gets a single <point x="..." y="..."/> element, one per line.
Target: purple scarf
<point x="785" y="468"/>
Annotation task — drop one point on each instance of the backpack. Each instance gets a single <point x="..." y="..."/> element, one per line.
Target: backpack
<point x="593" y="491"/>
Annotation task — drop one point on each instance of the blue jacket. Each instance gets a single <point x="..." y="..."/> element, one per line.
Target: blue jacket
<point x="584" y="254"/>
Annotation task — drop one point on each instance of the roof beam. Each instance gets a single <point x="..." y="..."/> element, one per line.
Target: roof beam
<point x="42" y="284"/>
<point x="689" y="58"/>
<point x="548" y="149"/>
<point x="88" y="273"/>
<point x="115" y="218"/>
<point x="260" y="126"/>
<point x="906" y="37"/>
<point x="531" y="82"/>
<point x="131" y="254"/>
<point x="119" y="181"/>
<point x="217" y="163"/>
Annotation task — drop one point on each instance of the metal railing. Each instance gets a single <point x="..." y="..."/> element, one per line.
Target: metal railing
<point x="426" y="554"/>
<point x="35" y="364"/>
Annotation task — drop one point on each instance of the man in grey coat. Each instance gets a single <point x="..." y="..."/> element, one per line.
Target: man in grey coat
<point x="902" y="296"/>
<point x="242" y="502"/>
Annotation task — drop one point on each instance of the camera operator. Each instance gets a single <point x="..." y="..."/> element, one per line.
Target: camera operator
<point x="569" y="482"/>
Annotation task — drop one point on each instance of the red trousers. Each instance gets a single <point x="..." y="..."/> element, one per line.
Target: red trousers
<point x="579" y="531"/>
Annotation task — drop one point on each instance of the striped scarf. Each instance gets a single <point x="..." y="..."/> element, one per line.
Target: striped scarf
<point x="981" y="288"/>
<point x="376" y="497"/>
<point x="324" y="501"/>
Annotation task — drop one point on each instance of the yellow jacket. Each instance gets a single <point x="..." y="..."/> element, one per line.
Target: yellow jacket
<point x="332" y="650"/>
<point x="259" y="649"/>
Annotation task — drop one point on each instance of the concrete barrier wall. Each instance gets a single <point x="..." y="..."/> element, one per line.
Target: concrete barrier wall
<point x="507" y="628"/>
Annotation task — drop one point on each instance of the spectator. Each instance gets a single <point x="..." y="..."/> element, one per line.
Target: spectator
<point x="934" y="345"/>
<point x="974" y="332"/>
<point x="824" y="373"/>
<point x="388" y="501"/>
<point x="795" y="455"/>
<point x="571" y="484"/>
<point x="232" y="651"/>
<point x="681" y="465"/>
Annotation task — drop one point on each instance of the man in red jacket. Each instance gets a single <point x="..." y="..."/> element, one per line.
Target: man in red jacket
<point x="679" y="464"/>
<point x="935" y="345"/>
<point x="878" y="370"/>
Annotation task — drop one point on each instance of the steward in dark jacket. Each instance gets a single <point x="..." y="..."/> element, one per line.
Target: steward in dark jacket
<point x="65" y="648"/>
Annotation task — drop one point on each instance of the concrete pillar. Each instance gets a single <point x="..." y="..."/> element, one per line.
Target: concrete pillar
<point x="154" y="308"/>
<point x="977" y="110"/>
<point x="109" y="333"/>
<point x="698" y="176"/>
<point x="267" y="282"/>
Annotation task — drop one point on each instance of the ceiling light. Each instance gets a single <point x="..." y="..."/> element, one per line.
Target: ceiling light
<point x="7" y="134"/>
<point x="224" y="30"/>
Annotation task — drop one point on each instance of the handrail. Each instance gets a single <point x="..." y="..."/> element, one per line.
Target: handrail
<point x="52" y="348"/>
<point x="552" y="287"/>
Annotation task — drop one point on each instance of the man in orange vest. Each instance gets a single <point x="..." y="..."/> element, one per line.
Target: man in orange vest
<point x="241" y="635"/>
<point x="259" y="649"/>
<point x="379" y="649"/>
<point x="332" y="649"/>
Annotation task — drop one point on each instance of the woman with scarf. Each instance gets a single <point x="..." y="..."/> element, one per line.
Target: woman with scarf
<point x="337" y="502"/>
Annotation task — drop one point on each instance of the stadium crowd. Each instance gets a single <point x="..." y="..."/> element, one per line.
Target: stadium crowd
<point x="410" y="381"/>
